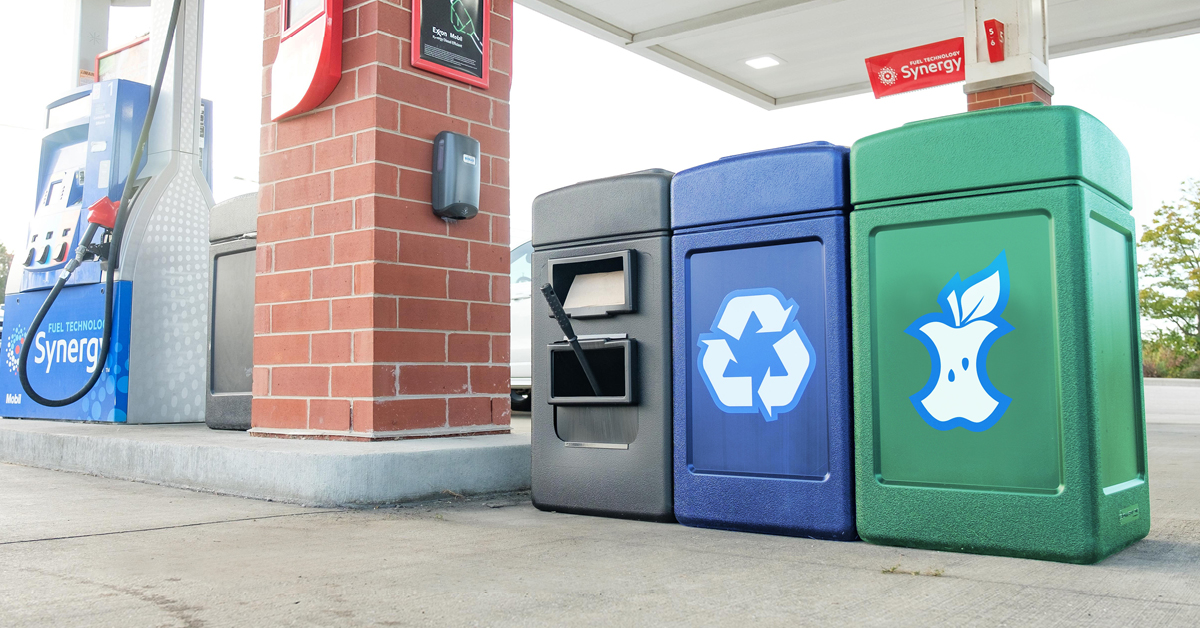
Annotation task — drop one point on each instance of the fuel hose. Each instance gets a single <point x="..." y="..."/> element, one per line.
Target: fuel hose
<point x="114" y="247"/>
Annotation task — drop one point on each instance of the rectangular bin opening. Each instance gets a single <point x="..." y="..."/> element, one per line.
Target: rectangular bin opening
<point x="594" y="285"/>
<point x="612" y="364"/>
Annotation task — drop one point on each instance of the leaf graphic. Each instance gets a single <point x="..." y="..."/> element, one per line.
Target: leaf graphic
<point x="980" y="299"/>
<point x="952" y="299"/>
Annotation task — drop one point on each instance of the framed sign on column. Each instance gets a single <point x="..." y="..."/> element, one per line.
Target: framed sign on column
<point x="450" y="38"/>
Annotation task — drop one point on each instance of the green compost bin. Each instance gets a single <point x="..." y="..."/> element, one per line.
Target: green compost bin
<point x="997" y="363"/>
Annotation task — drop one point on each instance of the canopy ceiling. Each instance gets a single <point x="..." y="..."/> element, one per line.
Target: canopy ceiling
<point x="822" y="43"/>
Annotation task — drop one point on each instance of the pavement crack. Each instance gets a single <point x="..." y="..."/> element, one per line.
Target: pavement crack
<point x="170" y="527"/>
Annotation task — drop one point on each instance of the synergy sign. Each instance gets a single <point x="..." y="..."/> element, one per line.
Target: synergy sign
<point x="925" y="66"/>
<point x="63" y="354"/>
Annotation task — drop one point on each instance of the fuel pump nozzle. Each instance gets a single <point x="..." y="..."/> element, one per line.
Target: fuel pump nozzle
<point x="564" y="322"/>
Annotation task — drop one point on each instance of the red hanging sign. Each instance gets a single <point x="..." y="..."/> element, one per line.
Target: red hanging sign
<point x="995" y="39"/>
<point x="925" y="66"/>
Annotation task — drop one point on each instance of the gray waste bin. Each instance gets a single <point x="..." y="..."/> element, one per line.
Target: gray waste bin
<point x="232" y="238"/>
<point x="605" y="247"/>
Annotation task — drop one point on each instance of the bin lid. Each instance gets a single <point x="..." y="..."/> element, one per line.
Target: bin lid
<point x="638" y="202"/>
<point x="234" y="217"/>
<point x="1012" y="145"/>
<point x="790" y="180"/>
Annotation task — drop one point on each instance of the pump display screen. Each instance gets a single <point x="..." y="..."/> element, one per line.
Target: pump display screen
<point x="69" y="112"/>
<point x="300" y="10"/>
<point x="52" y="192"/>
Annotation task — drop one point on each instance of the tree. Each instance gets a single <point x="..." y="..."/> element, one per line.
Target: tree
<point x="1171" y="287"/>
<point x="5" y="264"/>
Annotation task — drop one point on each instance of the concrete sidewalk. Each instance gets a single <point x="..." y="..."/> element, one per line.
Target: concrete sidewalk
<point x="80" y="550"/>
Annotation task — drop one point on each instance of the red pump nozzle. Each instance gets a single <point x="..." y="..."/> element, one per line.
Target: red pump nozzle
<point x="104" y="213"/>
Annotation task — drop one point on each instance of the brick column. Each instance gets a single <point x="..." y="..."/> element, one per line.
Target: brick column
<point x="1023" y="75"/>
<point x="374" y="319"/>
<point x="1015" y="95"/>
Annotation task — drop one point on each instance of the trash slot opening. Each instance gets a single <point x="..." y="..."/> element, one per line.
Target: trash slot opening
<point x="612" y="364"/>
<point x="594" y="285"/>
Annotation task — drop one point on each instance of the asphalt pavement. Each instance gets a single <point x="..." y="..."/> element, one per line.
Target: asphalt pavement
<point x="81" y="550"/>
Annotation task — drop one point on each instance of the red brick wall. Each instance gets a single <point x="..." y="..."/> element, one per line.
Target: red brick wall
<point x="1015" y="95"/>
<point x="372" y="315"/>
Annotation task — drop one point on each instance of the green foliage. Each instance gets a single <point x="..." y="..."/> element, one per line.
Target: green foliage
<point x="1167" y="353"/>
<point x="1170" y="291"/>
<point x="5" y="263"/>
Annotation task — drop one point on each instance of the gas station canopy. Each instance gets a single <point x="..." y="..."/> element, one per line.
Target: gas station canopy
<point x="820" y="45"/>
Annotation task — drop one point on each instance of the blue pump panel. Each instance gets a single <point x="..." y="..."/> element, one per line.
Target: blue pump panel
<point x="762" y="419"/>
<point x="776" y="182"/>
<point x="64" y="351"/>
<point x="118" y="111"/>
<point x="86" y="153"/>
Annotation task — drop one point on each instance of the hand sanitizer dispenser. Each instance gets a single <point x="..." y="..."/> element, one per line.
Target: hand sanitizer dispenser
<point x="455" y="176"/>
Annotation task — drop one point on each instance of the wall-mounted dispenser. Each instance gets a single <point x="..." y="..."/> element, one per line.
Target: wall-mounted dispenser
<point x="455" y="176"/>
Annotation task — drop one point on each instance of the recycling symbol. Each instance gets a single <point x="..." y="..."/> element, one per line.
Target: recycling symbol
<point x="757" y="358"/>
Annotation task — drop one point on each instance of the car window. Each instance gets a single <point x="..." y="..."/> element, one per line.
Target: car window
<point x="522" y="264"/>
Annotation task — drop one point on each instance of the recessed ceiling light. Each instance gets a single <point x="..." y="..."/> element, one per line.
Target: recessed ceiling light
<point x="764" y="62"/>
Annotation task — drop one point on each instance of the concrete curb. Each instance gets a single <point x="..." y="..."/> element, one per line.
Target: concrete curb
<point x="1163" y="381"/>
<point x="303" y="472"/>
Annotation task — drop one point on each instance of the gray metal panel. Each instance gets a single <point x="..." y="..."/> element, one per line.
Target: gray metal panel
<point x="607" y="478"/>
<point x="166" y="257"/>
<point x="165" y="248"/>
<point x="635" y="203"/>
<point x="176" y="124"/>
<point x="231" y="348"/>
<point x="235" y="217"/>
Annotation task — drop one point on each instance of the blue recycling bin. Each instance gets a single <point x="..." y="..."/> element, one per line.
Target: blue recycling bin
<point x="762" y="416"/>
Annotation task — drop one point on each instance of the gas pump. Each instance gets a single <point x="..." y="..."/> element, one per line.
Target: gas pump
<point x="107" y="310"/>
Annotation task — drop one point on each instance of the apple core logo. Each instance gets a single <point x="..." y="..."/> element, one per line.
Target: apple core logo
<point x="959" y="393"/>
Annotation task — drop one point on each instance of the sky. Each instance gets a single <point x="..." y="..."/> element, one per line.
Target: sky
<point x="602" y="110"/>
<point x="612" y="111"/>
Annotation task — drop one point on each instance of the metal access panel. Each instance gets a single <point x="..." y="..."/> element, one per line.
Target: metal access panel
<point x="231" y="346"/>
<point x="605" y="248"/>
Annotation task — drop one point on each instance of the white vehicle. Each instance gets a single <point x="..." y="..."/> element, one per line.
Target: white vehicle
<point x="521" y="285"/>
